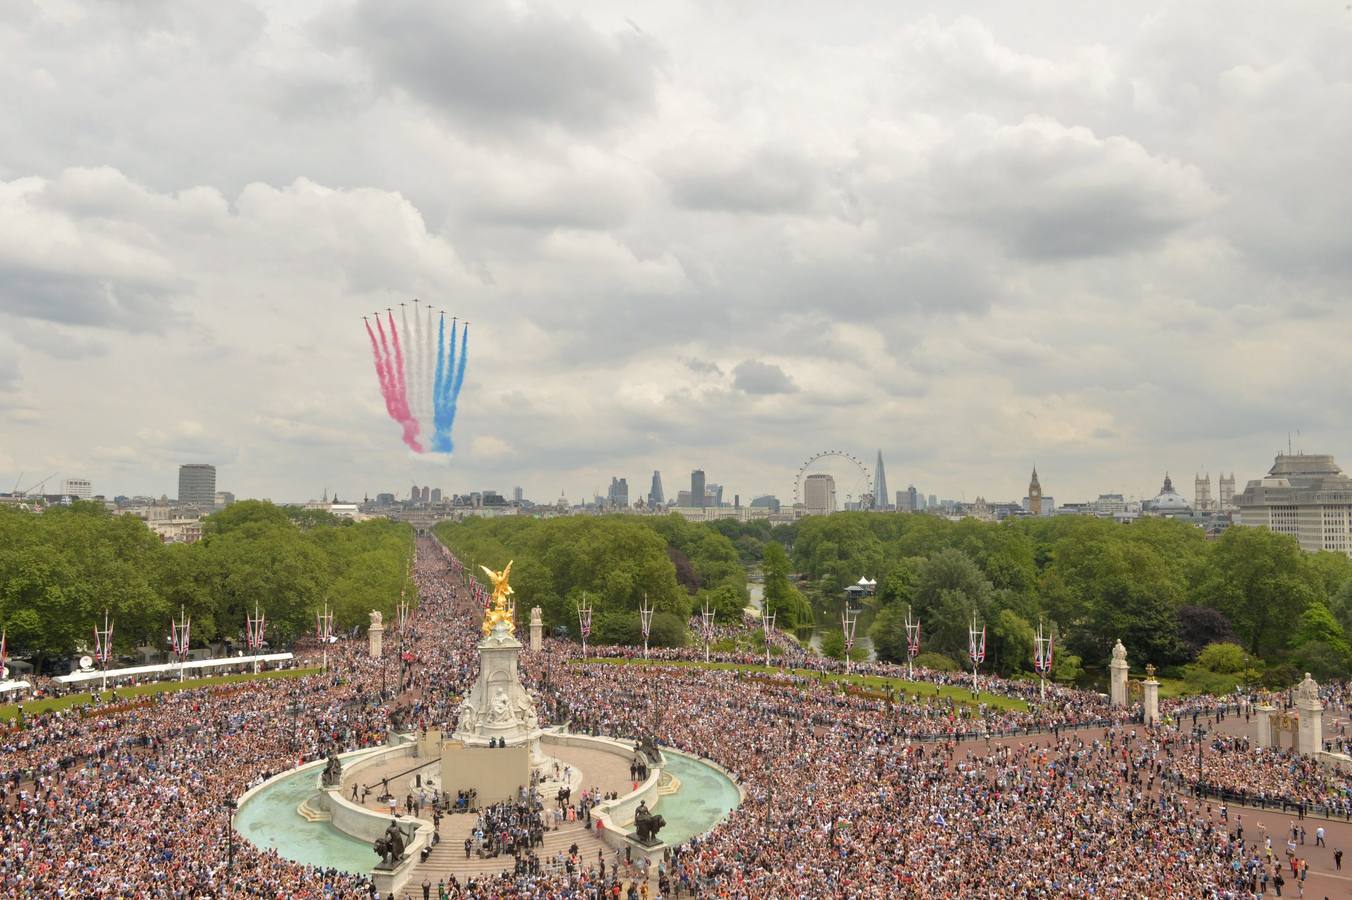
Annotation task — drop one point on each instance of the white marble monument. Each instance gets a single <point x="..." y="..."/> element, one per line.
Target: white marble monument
<point x="1263" y="719"/>
<point x="1117" y="679"/>
<point x="1152" y="697"/>
<point x="537" y="627"/>
<point x="1310" y="738"/>
<point x="376" y="633"/>
<point x="498" y="709"/>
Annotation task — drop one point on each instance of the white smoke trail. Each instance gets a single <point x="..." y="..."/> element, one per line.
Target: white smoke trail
<point x="429" y="402"/>
<point x="415" y="364"/>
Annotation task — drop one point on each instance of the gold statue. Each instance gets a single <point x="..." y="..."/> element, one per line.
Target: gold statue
<point x="500" y="609"/>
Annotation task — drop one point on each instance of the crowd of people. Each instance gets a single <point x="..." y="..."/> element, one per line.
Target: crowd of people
<point x="846" y="795"/>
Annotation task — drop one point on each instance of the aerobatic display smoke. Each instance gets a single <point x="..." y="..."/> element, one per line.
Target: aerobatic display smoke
<point x="425" y="409"/>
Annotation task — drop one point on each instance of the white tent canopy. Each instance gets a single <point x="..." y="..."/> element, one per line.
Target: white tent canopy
<point x="196" y="665"/>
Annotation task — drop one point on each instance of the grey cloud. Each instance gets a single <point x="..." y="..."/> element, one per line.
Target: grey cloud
<point x="703" y="366"/>
<point x="1052" y="192"/>
<point x="484" y="61"/>
<point x="60" y="342"/>
<point x="769" y="181"/>
<point x="9" y="365"/>
<point x="74" y="299"/>
<point x="756" y="377"/>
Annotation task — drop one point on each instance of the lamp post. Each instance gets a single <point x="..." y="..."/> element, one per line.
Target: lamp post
<point x="253" y="634"/>
<point x="229" y="807"/>
<point x="179" y="637"/>
<point x="768" y="624"/>
<point x="976" y="651"/>
<point x="912" y="643"/>
<point x="103" y="646"/>
<point x="849" y="620"/>
<point x="646" y="620"/>
<point x="707" y="626"/>
<point x="324" y="631"/>
<point x="584" y="621"/>
<point x="295" y="724"/>
<point x="1198" y="731"/>
<point x="1042" y="657"/>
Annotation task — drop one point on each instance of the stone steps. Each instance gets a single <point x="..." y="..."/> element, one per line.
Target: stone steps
<point x="448" y="858"/>
<point x="312" y="814"/>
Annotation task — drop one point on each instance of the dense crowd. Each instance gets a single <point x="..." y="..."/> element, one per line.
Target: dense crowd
<point x="847" y="795"/>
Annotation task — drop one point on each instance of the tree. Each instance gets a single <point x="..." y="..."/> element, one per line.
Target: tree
<point x="1322" y="660"/>
<point x="1222" y="658"/>
<point x="1066" y="668"/>
<point x="243" y="514"/>
<point x="1199" y="626"/>
<point x="898" y="584"/>
<point x="949" y="591"/>
<point x="783" y="600"/>
<point x="727" y="603"/>
<point x="889" y="633"/>
<point x="833" y="644"/>
<point x="1010" y="643"/>
<point x="936" y="661"/>
<point x="1262" y="583"/>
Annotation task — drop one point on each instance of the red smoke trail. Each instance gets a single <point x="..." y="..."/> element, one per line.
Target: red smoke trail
<point x="401" y="393"/>
<point x="381" y="372"/>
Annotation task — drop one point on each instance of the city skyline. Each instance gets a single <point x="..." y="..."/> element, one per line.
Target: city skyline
<point x="977" y="241"/>
<point x="512" y="483"/>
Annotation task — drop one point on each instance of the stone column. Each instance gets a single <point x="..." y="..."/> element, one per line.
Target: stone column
<point x="537" y="627"/>
<point x="1263" y="720"/>
<point x="1117" y="676"/>
<point x="1310" y="740"/>
<point x="1152" y="697"/>
<point x="376" y="635"/>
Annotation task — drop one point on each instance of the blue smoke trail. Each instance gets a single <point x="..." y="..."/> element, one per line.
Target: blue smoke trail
<point x="445" y="403"/>
<point x="436" y="381"/>
<point x="459" y="375"/>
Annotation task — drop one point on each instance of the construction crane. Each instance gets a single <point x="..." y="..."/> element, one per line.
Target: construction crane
<point x="36" y="484"/>
<point x="15" y="492"/>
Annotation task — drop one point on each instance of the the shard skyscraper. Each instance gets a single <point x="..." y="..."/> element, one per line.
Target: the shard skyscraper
<point x="655" y="497"/>
<point x="881" y="499"/>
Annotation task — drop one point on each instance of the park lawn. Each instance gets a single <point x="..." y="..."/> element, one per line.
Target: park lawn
<point x="869" y="682"/>
<point x="48" y="704"/>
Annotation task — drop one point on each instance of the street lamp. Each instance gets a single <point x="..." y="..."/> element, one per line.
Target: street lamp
<point x="1198" y="731"/>
<point x="976" y="651"/>
<point x="849" y="619"/>
<point x="912" y="643"/>
<point x="646" y="619"/>
<point x="1042" y="657"/>
<point x="324" y="631"/>
<point x="229" y="807"/>
<point x="584" y="621"/>
<point x="768" y="624"/>
<point x="707" y="627"/>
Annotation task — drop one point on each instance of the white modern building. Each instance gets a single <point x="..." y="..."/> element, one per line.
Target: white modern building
<point x="1304" y="495"/>
<point x="79" y="488"/>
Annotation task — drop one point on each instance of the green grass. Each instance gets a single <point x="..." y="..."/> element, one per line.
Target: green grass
<point x="48" y="704"/>
<point x="870" y="682"/>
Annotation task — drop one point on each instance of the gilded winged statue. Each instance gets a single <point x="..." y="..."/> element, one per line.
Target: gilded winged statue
<point x="500" y="609"/>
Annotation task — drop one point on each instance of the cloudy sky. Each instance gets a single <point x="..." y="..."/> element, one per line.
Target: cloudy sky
<point x="715" y="234"/>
